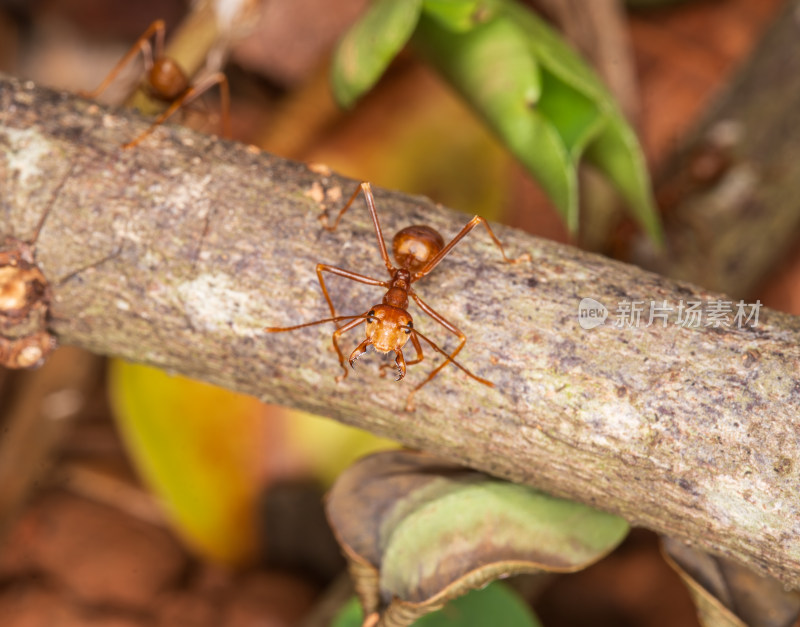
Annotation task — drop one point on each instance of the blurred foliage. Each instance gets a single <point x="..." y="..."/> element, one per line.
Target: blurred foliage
<point x="728" y="594"/>
<point x="496" y="604"/>
<point x="391" y="508"/>
<point x="546" y="105"/>
<point x="200" y="449"/>
<point x="327" y="447"/>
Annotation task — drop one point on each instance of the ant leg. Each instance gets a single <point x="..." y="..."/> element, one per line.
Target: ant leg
<point x="448" y="358"/>
<point x="142" y="44"/>
<point x="185" y="98"/>
<point x="354" y="321"/>
<point x="336" y="334"/>
<point x="207" y="83"/>
<point x="311" y="324"/>
<point x="353" y="276"/>
<point x="459" y="236"/>
<point x="462" y="339"/>
<point x="364" y="187"/>
<point x="160" y="31"/>
<point x="225" y="105"/>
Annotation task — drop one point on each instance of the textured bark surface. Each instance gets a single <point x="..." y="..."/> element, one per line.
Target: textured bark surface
<point x="730" y="194"/>
<point x="179" y="252"/>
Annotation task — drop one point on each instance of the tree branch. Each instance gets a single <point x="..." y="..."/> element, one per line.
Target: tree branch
<point x="178" y="253"/>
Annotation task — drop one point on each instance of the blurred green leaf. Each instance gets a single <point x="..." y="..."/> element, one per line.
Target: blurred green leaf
<point x="616" y="153"/>
<point x="460" y="15"/>
<point x="533" y="90"/>
<point x="496" y="604"/>
<point x="350" y="615"/>
<point x="493" y="70"/>
<point x="556" y="55"/>
<point x="575" y="116"/>
<point x="370" y="45"/>
<point x="419" y="531"/>
<point x="613" y="146"/>
<point x="199" y="449"/>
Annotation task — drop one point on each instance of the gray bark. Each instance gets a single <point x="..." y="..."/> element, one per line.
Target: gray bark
<point x="178" y="253"/>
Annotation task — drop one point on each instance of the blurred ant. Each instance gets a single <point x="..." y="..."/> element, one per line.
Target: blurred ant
<point x="166" y="81"/>
<point x="418" y="250"/>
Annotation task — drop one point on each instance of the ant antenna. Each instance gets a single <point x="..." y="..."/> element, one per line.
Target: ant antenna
<point x="311" y="324"/>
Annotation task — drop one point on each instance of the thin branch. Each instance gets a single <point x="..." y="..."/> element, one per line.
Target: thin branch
<point x="688" y="431"/>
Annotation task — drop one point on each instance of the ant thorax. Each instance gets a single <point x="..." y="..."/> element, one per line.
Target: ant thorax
<point x="397" y="294"/>
<point x="388" y="328"/>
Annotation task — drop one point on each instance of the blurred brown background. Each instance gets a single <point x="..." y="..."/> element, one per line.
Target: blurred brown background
<point x="83" y="543"/>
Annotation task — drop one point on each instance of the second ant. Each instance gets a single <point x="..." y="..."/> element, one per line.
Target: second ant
<point x="166" y="81"/>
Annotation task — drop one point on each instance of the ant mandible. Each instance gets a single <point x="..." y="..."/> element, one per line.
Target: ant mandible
<point x="417" y="250"/>
<point x="166" y="81"/>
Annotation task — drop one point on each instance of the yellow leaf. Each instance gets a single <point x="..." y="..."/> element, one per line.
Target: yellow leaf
<point x="200" y="449"/>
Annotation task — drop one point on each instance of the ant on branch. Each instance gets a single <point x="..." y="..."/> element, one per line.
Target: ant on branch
<point x="417" y="250"/>
<point x="166" y="81"/>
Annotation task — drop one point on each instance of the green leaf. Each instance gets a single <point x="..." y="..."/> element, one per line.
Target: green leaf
<point x="616" y="153"/>
<point x="611" y="146"/>
<point x="487" y="521"/>
<point x="491" y="66"/>
<point x="548" y="107"/>
<point x="556" y="55"/>
<point x="349" y="615"/>
<point x="370" y="45"/>
<point x="576" y="117"/>
<point x="496" y="604"/>
<point x="460" y="15"/>
<point x="419" y="531"/>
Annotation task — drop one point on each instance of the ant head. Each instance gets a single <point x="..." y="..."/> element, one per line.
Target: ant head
<point x="388" y="328"/>
<point x="415" y="246"/>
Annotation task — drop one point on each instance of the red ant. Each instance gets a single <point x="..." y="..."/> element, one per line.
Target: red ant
<point x="418" y="250"/>
<point x="166" y="81"/>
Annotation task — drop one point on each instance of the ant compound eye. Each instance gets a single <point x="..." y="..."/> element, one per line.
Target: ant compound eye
<point x="371" y="314"/>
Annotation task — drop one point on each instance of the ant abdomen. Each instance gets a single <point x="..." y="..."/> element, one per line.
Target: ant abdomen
<point x="415" y="246"/>
<point x="167" y="79"/>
